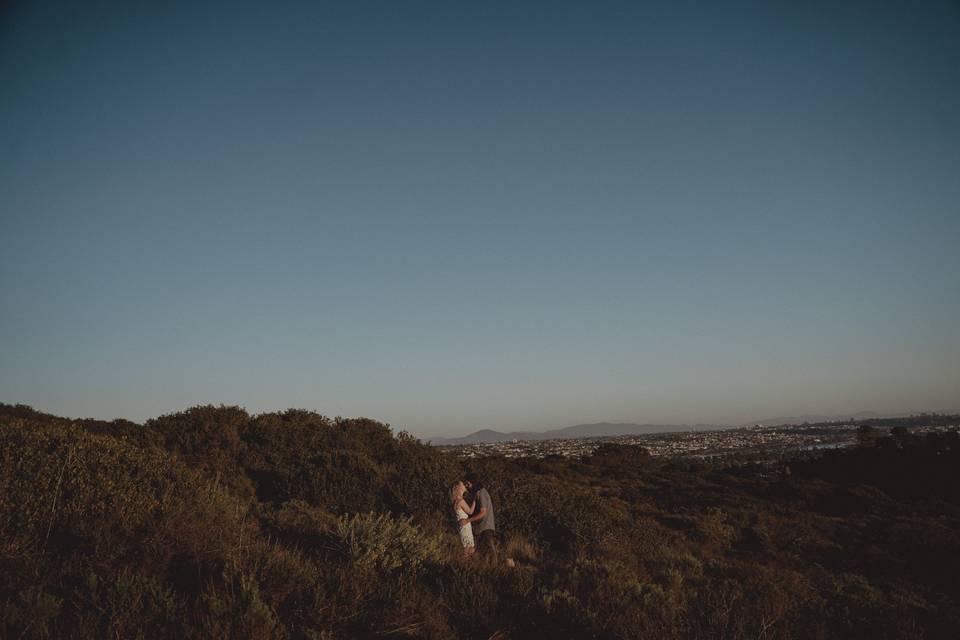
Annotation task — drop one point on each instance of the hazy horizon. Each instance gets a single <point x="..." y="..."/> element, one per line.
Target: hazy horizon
<point x="448" y="218"/>
<point x="420" y="433"/>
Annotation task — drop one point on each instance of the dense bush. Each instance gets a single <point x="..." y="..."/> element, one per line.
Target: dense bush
<point x="95" y="492"/>
<point x="215" y="523"/>
<point x="93" y="520"/>
<point x="207" y="438"/>
<point x="385" y="544"/>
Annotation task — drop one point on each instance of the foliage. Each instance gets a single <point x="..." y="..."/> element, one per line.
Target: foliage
<point x="215" y="523"/>
<point x="385" y="544"/>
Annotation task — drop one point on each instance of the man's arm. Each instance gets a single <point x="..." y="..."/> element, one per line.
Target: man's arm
<point x="477" y="516"/>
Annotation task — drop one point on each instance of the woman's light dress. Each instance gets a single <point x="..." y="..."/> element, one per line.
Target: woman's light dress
<point x="466" y="531"/>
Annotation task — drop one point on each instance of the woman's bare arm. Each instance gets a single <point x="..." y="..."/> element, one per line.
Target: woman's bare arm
<point x="467" y="507"/>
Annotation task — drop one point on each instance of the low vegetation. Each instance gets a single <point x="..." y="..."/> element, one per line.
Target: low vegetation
<point x="215" y="523"/>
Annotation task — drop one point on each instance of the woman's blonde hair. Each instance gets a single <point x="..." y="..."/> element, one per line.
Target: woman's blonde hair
<point x="456" y="494"/>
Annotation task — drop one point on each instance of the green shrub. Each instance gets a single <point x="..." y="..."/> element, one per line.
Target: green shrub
<point x="417" y="478"/>
<point x="99" y="526"/>
<point x="299" y="524"/>
<point x="712" y="528"/>
<point x="233" y="608"/>
<point x="127" y="604"/>
<point x="471" y="593"/>
<point x="292" y="585"/>
<point x="207" y="438"/>
<point x="96" y="490"/>
<point x="386" y="544"/>
<point x="303" y="455"/>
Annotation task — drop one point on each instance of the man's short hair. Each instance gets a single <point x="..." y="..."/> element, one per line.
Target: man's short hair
<point x="473" y="479"/>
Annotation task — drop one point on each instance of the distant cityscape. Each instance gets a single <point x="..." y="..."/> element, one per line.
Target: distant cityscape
<point x="756" y="442"/>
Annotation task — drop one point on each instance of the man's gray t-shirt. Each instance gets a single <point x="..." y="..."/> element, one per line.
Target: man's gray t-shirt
<point x="487" y="521"/>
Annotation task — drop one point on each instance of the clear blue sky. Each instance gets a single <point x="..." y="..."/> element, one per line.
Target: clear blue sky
<point x="459" y="215"/>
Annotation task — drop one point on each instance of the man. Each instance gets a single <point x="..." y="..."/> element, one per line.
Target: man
<point x="483" y="520"/>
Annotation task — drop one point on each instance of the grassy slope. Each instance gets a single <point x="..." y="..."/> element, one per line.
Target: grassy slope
<point x="215" y="523"/>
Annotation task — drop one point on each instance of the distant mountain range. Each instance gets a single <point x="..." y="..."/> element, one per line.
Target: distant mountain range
<point x="610" y="429"/>
<point x="595" y="430"/>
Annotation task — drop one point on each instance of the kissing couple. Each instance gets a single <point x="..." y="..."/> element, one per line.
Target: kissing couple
<point x="473" y="510"/>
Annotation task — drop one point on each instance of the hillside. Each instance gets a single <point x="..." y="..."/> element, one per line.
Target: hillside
<point x="593" y="430"/>
<point x="214" y="523"/>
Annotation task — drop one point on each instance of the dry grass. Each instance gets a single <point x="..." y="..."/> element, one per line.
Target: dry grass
<point x="518" y="548"/>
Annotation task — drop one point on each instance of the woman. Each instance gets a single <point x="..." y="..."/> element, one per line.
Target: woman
<point x="462" y="509"/>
